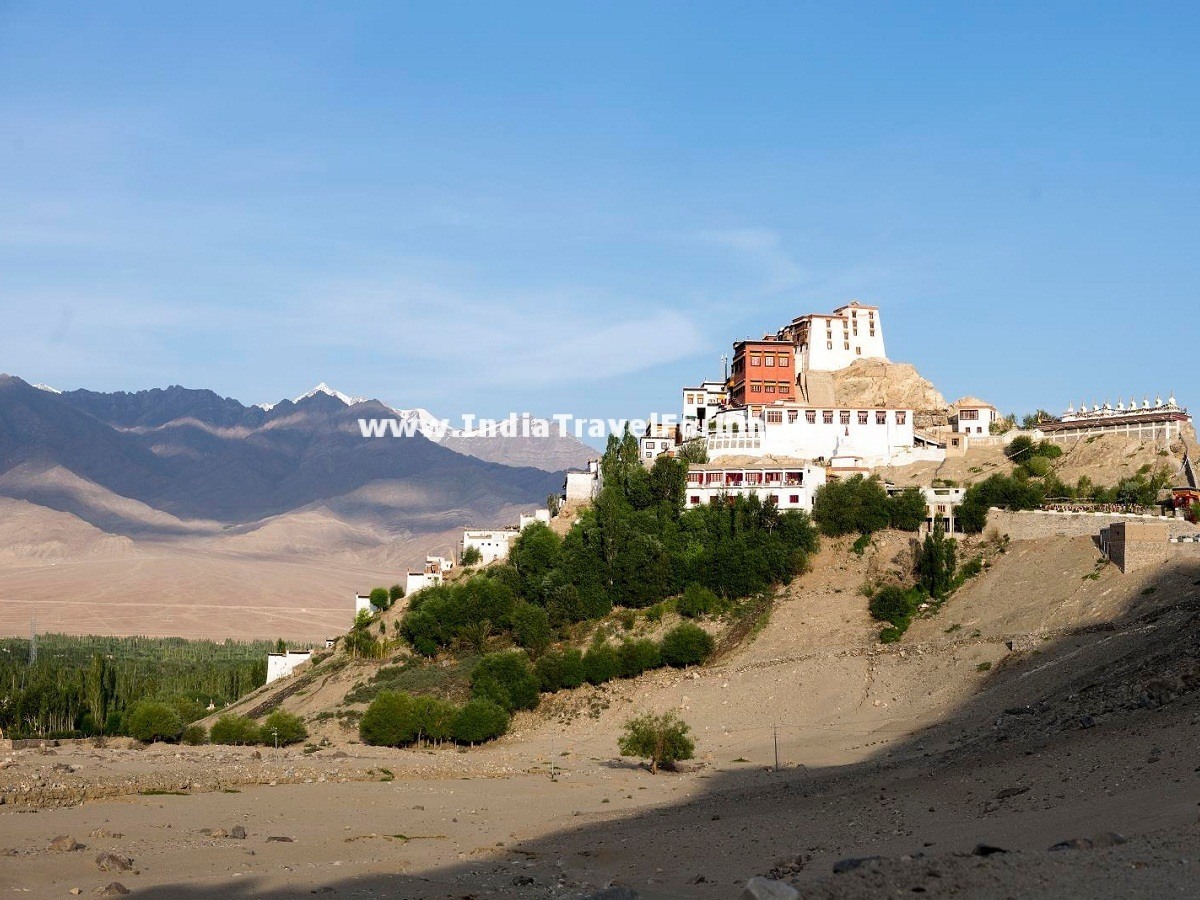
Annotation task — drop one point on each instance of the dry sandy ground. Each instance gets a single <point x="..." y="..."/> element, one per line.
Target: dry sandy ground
<point x="915" y="753"/>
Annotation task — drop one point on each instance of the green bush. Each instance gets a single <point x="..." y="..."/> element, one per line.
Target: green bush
<point x="663" y="740"/>
<point x="507" y="680"/>
<point x="194" y="735"/>
<point x="601" y="663"/>
<point x="908" y="509"/>
<point x="395" y="592"/>
<point x="861" y="543"/>
<point x="697" y="601"/>
<point x="150" y="721"/>
<point x="433" y="718"/>
<point x="892" y="603"/>
<point x="557" y="671"/>
<point x="478" y="721"/>
<point x="380" y="598"/>
<point x="531" y="628"/>
<point x="686" y="645"/>
<point x="390" y="720"/>
<point x="287" y="727"/>
<point x="472" y="556"/>
<point x="1037" y="466"/>
<point x="234" y="729"/>
<point x="855" y="504"/>
<point x="1049" y="450"/>
<point x="638" y="656"/>
<point x="891" y="634"/>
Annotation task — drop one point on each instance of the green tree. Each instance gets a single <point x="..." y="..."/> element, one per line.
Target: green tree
<point x="855" y="504"/>
<point x="472" y="556"/>
<point x="531" y="628"/>
<point x="697" y="601"/>
<point x="194" y="735"/>
<point x="286" y="727"/>
<point x="601" y="663"/>
<point x="894" y="604"/>
<point x="695" y="451"/>
<point x="480" y="720"/>
<point x="506" y="679"/>
<point x="150" y="720"/>
<point x="937" y="562"/>
<point x="390" y="720"/>
<point x="380" y="598"/>
<point x="433" y="718"/>
<point x="557" y="670"/>
<point x="1019" y="448"/>
<point x="533" y="554"/>
<point x="663" y="740"/>
<point x="686" y="645"/>
<point x="638" y="656"/>
<point x="907" y="509"/>
<point x="235" y="729"/>
<point x="395" y="592"/>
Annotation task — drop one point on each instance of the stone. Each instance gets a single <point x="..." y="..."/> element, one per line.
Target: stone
<point x="65" y="844"/>
<point x="987" y="850"/>
<point x="113" y="862"/>
<point x="280" y="839"/>
<point x="616" y="892"/>
<point x="75" y="891"/>
<point x="214" y="832"/>
<point x="759" y="888"/>
<point x="104" y="833"/>
<point x="238" y="833"/>
<point x="1086" y="721"/>
<point x="114" y="889"/>
<point x="1011" y="792"/>
<point x="849" y="864"/>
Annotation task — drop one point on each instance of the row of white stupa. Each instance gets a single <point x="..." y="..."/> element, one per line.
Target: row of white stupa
<point x="1109" y="410"/>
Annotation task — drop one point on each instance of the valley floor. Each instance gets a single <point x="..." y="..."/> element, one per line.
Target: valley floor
<point x="916" y="754"/>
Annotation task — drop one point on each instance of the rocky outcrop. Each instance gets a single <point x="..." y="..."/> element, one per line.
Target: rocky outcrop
<point x="878" y="382"/>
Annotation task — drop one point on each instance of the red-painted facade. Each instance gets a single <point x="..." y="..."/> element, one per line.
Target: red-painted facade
<point x="762" y="372"/>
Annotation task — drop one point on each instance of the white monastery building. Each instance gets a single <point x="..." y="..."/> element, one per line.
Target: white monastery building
<point x="280" y="665"/>
<point x="825" y="343"/>
<point x="700" y="404"/>
<point x="583" y="484"/>
<point x="970" y="415"/>
<point x="790" y="483"/>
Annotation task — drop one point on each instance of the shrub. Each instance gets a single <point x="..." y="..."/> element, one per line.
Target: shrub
<point x="855" y="504"/>
<point x="507" y="680"/>
<point x="686" y="645"/>
<point x="390" y="720"/>
<point x="472" y="556"/>
<point x="531" y="628"/>
<point x="1019" y="448"/>
<point x="286" y="727"/>
<point x="1037" y="466"/>
<point x="150" y="721"/>
<point x="663" y="740"/>
<point x="396" y="592"/>
<point x="892" y="603"/>
<point x="234" y="729"/>
<point x="908" y="509"/>
<point x="891" y="634"/>
<point x="639" y="656"/>
<point x="194" y="735"/>
<point x="861" y="543"/>
<point x="433" y="718"/>
<point x="380" y="598"/>
<point x="1049" y="450"/>
<point x="601" y="663"/>
<point x="556" y="671"/>
<point x="697" y="601"/>
<point x="478" y="721"/>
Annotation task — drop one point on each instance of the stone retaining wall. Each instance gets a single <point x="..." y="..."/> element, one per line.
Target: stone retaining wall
<point x="1034" y="525"/>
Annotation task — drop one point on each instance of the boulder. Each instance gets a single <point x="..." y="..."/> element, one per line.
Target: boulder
<point x="113" y="862"/>
<point x="238" y="833"/>
<point x="114" y="889"/>
<point x="65" y="844"/>
<point x="759" y="888"/>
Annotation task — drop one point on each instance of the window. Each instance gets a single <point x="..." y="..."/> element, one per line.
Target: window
<point x="844" y="417"/>
<point x="769" y="387"/>
<point x="827" y="416"/>
<point x="794" y="498"/>
<point x="694" y="499"/>
<point x="756" y="387"/>
<point x="846" y="345"/>
<point x="756" y="359"/>
<point x="971" y="415"/>
<point x="769" y="360"/>
<point x="793" y="414"/>
<point x="649" y="454"/>
<point x="784" y="387"/>
<point x="901" y="417"/>
<point x="810" y="416"/>
<point x="829" y="345"/>
<point x="784" y="359"/>
<point x="880" y="417"/>
<point x="775" y="416"/>
<point x="862" y="417"/>
<point x="858" y="350"/>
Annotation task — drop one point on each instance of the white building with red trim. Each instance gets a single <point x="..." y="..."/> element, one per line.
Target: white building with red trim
<point x="791" y="484"/>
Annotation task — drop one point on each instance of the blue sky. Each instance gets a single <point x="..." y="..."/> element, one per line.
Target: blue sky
<point x="576" y="208"/>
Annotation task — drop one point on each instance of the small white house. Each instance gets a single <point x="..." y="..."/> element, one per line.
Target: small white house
<point x="492" y="544"/>
<point x="657" y="440"/>
<point x="280" y="665"/>
<point x="538" y="515"/>
<point x="700" y="404"/>
<point x="438" y="563"/>
<point x="940" y="503"/>
<point x="418" y="581"/>
<point x="362" y="603"/>
<point x="790" y="483"/>
<point x="970" y="415"/>
<point x="583" y="485"/>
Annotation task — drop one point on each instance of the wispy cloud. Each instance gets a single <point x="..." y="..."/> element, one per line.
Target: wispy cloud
<point x="764" y="250"/>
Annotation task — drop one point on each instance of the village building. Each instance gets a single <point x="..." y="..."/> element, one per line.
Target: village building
<point x="763" y="371"/>
<point x="790" y="483"/>
<point x="657" y="440"/>
<point x="940" y="503"/>
<point x="492" y="543"/>
<point x="849" y="439"/>
<point x="970" y="415"/>
<point x="1158" y="422"/>
<point x="826" y="343"/>
<point x="432" y="574"/>
<point x="700" y="404"/>
<point x="583" y="484"/>
<point x="362" y="603"/>
<point x="527" y="519"/>
<point x="280" y="665"/>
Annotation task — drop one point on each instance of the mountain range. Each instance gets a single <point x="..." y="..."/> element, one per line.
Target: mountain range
<point x="89" y="479"/>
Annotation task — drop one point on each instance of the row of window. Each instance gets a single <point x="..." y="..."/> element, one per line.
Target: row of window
<point x="775" y="416"/>
<point x="694" y="499"/>
<point x="770" y="359"/>
<point x="703" y="399"/>
<point x="770" y="387"/>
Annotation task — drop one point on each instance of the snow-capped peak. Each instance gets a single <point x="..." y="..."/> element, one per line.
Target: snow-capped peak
<point x="47" y="389"/>
<point x="265" y="407"/>
<point x="427" y="423"/>
<point x="323" y="388"/>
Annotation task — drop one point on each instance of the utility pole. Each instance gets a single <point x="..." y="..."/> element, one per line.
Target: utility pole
<point x="775" y="733"/>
